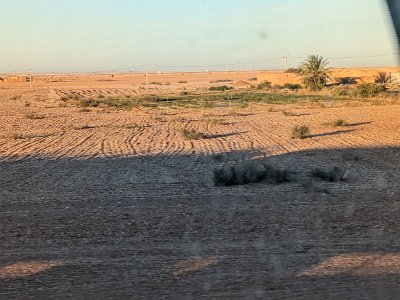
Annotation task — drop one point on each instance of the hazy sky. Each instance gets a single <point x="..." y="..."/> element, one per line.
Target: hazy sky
<point x="103" y="35"/>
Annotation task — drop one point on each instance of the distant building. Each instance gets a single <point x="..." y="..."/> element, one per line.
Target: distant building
<point x="16" y="78"/>
<point x="395" y="77"/>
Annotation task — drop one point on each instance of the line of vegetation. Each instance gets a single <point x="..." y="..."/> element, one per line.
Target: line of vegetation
<point x="221" y="88"/>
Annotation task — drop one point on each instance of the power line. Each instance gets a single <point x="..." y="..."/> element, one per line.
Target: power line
<point x="146" y="66"/>
<point x="364" y="56"/>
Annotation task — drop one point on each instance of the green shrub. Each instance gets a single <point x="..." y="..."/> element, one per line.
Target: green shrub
<point x="368" y="90"/>
<point x="248" y="172"/>
<point x="264" y="85"/>
<point x="314" y="72"/>
<point x="221" y="88"/>
<point x="300" y="132"/>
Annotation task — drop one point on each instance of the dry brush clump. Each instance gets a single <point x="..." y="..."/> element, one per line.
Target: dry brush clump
<point x="192" y="134"/>
<point x="33" y="116"/>
<point x="300" y="132"/>
<point x="248" y="172"/>
<point x="336" y="123"/>
<point x="288" y="113"/>
<point x="11" y="136"/>
<point x="16" y="97"/>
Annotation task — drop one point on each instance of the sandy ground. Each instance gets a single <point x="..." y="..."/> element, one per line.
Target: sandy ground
<point x="113" y="204"/>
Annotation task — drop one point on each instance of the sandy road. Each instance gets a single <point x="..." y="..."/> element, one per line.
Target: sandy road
<point x="117" y="205"/>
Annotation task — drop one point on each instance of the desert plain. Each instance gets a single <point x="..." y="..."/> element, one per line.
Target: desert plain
<point x="104" y="201"/>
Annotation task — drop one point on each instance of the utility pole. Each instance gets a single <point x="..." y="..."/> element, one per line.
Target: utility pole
<point x="285" y="60"/>
<point x="30" y="78"/>
<point x="147" y="81"/>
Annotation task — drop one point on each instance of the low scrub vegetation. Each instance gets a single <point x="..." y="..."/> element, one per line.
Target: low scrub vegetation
<point x="192" y="134"/>
<point x="264" y="85"/>
<point x="83" y="102"/>
<point x="221" y="80"/>
<point x="368" y="90"/>
<point x="221" y="88"/>
<point x="16" y="97"/>
<point x="288" y="113"/>
<point x="33" y="116"/>
<point x="11" y="136"/>
<point x="300" y="132"/>
<point x="248" y="172"/>
<point x="291" y="86"/>
<point x="292" y="70"/>
<point x="336" y="123"/>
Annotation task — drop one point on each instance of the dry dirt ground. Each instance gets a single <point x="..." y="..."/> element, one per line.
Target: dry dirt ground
<point x="109" y="204"/>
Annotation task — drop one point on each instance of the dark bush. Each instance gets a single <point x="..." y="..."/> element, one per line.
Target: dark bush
<point x="291" y="86"/>
<point x="331" y="175"/>
<point x="346" y="80"/>
<point x="248" y="172"/>
<point x="264" y="85"/>
<point x="292" y="70"/>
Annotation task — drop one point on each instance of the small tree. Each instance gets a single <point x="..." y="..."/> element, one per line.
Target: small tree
<point x="314" y="73"/>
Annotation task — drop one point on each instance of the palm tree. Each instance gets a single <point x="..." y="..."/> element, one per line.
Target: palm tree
<point x="314" y="72"/>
